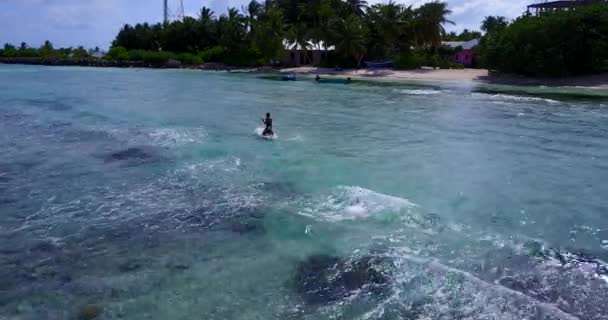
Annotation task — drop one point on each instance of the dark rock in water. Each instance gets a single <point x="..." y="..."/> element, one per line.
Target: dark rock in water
<point x="246" y="227"/>
<point x="250" y="222"/>
<point x="245" y="221"/>
<point x="323" y="279"/>
<point x="416" y="309"/>
<point x="129" y="266"/>
<point x="176" y="266"/>
<point x="54" y="105"/>
<point x="534" y="248"/>
<point x="89" y="312"/>
<point x="43" y="246"/>
<point x="130" y="154"/>
<point x="521" y="285"/>
<point x="6" y="201"/>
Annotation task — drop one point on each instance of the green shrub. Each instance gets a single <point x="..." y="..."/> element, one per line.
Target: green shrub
<point x="433" y="61"/>
<point x="118" y="54"/>
<point x="213" y="54"/>
<point x="136" y="55"/>
<point x="454" y="65"/>
<point x="189" y="59"/>
<point x="244" y="58"/>
<point x="408" y="61"/>
<point x="157" y="58"/>
<point x="27" y="53"/>
<point x="444" y="63"/>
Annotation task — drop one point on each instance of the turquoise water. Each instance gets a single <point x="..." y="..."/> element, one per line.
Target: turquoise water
<point x="147" y="194"/>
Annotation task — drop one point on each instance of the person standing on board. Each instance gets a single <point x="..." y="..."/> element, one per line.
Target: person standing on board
<point x="268" y="122"/>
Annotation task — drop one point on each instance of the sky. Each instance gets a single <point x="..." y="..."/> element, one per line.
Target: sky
<point x="95" y="22"/>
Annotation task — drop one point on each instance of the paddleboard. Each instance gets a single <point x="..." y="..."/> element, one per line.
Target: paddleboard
<point x="259" y="131"/>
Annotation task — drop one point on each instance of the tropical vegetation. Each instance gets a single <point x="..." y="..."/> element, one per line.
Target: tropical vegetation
<point x="561" y="43"/>
<point x="465" y="35"/>
<point x="258" y="33"/>
<point x="45" y="51"/>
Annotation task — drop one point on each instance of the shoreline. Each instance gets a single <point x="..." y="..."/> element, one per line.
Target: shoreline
<point x="591" y="82"/>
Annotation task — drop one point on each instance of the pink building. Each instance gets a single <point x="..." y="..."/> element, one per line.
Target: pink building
<point x="466" y="56"/>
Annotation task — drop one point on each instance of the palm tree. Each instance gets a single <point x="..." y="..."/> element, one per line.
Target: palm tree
<point x="232" y="29"/>
<point x="431" y="17"/>
<point x="322" y="34"/>
<point x="351" y="38"/>
<point x="47" y="45"/>
<point x="235" y="16"/>
<point x="206" y="15"/>
<point x="206" y="27"/>
<point x="493" y="23"/>
<point x="356" y="7"/>
<point x="270" y="33"/>
<point x="387" y="22"/>
<point x="298" y="36"/>
<point x="254" y="10"/>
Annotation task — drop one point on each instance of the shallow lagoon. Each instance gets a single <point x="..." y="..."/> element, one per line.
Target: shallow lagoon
<point x="147" y="194"/>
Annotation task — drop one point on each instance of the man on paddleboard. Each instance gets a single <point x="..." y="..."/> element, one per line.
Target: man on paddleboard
<point x="268" y="123"/>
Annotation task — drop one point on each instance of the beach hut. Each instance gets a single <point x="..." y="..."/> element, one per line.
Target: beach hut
<point x="309" y="53"/>
<point x="466" y="54"/>
<point x="561" y="5"/>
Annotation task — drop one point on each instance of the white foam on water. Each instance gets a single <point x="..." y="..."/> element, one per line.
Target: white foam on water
<point x="171" y="136"/>
<point x="259" y="132"/>
<point x="230" y="164"/>
<point x="162" y="137"/>
<point x="353" y="203"/>
<point x="297" y="137"/>
<point x="420" y="92"/>
<point x="515" y="98"/>
<point x="482" y="297"/>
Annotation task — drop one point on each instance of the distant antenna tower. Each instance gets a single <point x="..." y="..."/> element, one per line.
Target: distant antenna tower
<point x="167" y="11"/>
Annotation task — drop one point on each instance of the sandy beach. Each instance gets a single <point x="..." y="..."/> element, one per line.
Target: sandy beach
<point x="419" y="74"/>
<point x="458" y="75"/>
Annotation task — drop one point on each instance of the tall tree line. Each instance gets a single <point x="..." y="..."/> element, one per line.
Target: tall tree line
<point x="46" y="50"/>
<point x="255" y="33"/>
<point x="561" y="43"/>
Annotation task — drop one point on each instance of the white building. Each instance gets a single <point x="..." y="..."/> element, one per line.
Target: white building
<point x="312" y="53"/>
